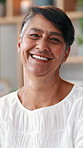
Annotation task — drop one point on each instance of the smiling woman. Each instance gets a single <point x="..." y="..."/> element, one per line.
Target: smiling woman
<point x="44" y="45"/>
<point x="44" y="111"/>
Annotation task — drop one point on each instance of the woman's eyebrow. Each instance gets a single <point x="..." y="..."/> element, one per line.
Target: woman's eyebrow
<point x="51" y="33"/>
<point x="36" y="29"/>
<point x="56" y="34"/>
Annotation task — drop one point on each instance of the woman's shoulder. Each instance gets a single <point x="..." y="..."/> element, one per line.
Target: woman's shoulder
<point x="7" y="100"/>
<point x="70" y="90"/>
<point x="75" y="98"/>
<point x="78" y="91"/>
<point x="76" y="94"/>
<point x="76" y="101"/>
<point x="5" y="105"/>
<point x="7" y="97"/>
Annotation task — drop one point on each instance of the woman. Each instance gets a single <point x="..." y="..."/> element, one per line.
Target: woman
<point x="47" y="112"/>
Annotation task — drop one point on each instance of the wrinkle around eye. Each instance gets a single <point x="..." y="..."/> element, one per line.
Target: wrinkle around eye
<point x="54" y="40"/>
<point x="34" y="36"/>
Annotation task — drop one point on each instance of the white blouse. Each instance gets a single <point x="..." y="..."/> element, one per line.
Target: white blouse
<point x="56" y="126"/>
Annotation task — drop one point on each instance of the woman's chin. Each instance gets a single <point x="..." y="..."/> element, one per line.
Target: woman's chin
<point x="36" y="72"/>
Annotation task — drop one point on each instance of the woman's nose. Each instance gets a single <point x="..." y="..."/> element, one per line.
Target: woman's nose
<point x="42" y="45"/>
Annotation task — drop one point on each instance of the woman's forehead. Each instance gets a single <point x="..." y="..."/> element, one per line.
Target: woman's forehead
<point x="40" y="23"/>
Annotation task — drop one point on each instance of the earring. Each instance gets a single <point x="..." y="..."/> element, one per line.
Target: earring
<point x="19" y="50"/>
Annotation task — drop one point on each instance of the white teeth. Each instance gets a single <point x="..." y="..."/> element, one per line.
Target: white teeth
<point x="39" y="57"/>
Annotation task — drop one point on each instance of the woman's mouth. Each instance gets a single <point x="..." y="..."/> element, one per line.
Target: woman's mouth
<point x="40" y="57"/>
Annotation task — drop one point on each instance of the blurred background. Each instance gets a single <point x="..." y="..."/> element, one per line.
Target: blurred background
<point x="11" y="15"/>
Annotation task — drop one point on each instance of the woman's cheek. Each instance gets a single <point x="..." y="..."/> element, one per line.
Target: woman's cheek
<point x="27" y="45"/>
<point x="57" y="52"/>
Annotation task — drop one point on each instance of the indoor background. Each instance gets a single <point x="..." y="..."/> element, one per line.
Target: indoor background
<point x="11" y="15"/>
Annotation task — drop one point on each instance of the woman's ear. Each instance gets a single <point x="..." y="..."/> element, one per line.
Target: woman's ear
<point x="67" y="51"/>
<point x="19" y="44"/>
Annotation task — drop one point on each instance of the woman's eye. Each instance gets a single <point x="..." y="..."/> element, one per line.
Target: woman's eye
<point x="34" y="36"/>
<point x="55" y="40"/>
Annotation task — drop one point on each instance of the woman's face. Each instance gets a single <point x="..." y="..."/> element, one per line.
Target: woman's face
<point x="42" y="47"/>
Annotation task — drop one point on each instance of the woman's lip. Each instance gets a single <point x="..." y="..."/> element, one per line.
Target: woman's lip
<point x="41" y="56"/>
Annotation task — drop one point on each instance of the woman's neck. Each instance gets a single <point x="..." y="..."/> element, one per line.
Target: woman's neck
<point x="40" y="92"/>
<point x="41" y="83"/>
